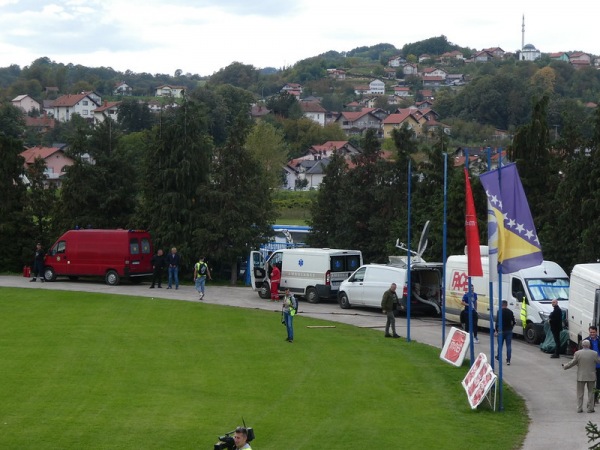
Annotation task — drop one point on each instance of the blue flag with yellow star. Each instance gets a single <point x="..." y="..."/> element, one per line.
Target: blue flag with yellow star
<point x="518" y="243"/>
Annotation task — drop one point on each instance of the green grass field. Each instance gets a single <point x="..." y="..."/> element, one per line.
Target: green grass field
<point x="94" y="371"/>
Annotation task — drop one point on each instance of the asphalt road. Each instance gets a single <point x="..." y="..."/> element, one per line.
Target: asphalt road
<point x="548" y="390"/>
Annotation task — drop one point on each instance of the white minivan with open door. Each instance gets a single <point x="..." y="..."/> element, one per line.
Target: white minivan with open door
<point x="311" y="273"/>
<point x="366" y="286"/>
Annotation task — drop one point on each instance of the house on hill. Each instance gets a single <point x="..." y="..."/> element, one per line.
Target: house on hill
<point x="83" y="104"/>
<point x="122" y="88"/>
<point x="25" y="103"/>
<point x="396" y="61"/>
<point x="402" y="116"/>
<point x="355" y="123"/>
<point x="166" y="90"/>
<point x="56" y="162"/>
<point x="107" y="110"/>
<point x="314" y="111"/>
<point x="41" y="124"/>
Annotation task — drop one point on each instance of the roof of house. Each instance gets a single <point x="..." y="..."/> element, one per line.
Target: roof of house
<point x="70" y="100"/>
<point x="259" y="110"/>
<point x="163" y="86"/>
<point x="18" y="98"/>
<point x="40" y="122"/>
<point x="329" y="146"/>
<point x="105" y="106"/>
<point x="38" y="152"/>
<point x="430" y="78"/>
<point x="312" y="107"/>
<point x="398" y="118"/>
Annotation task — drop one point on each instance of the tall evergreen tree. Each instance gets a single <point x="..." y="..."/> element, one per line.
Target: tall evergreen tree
<point x="238" y="208"/>
<point x="12" y="238"/>
<point x="176" y="171"/>
<point x="325" y="222"/>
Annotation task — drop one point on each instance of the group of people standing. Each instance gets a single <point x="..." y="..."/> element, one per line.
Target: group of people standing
<point x="173" y="263"/>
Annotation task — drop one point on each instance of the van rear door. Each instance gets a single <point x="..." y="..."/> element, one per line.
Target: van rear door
<point x="258" y="274"/>
<point x="341" y="267"/>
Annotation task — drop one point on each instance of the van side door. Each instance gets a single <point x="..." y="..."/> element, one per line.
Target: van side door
<point x="354" y="288"/>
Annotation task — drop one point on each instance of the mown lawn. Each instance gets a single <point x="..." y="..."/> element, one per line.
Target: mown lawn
<point x="94" y="371"/>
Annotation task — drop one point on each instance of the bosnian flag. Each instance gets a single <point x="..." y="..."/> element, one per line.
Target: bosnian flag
<point x="472" y="232"/>
<point x="518" y="243"/>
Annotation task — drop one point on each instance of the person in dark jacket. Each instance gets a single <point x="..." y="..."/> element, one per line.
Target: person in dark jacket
<point x="556" y="319"/>
<point x="505" y="334"/>
<point x="38" y="263"/>
<point x="388" y="304"/>
<point x="173" y="261"/>
<point x="158" y="264"/>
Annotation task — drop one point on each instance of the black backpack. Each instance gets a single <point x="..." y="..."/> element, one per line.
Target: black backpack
<point x="202" y="268"/>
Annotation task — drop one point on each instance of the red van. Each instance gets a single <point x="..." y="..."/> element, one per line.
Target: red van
<point x="111" y="254"/>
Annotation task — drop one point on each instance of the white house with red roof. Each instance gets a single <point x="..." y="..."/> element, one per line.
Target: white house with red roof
<point x="402" y="91"/>
<point x="55" y="158"/>
<point x="314" y="111"/>
<point x="108" y="109"/>
<point x="83" y="104"/>
<point x="310" y="168"/>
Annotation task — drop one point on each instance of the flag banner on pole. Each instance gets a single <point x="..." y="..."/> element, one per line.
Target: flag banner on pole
<point x="492" y="243"/>
<point x="518" y="243"/>
<point x="472" y="232"/>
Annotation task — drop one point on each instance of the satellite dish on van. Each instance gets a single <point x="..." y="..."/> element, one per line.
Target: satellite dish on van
<point x="422" y="244"/>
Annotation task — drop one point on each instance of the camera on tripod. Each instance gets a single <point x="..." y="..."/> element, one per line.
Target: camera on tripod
<point x="227" y="442"/>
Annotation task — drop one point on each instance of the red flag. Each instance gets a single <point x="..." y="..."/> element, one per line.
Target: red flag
<point x="472" y="232"/>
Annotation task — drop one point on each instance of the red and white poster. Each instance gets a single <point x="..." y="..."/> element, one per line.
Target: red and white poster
<point x="479" y="380"/>
<point x="455" y="347"/>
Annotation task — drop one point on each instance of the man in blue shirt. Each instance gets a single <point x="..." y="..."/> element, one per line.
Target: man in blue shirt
<point x="470" y="297"/>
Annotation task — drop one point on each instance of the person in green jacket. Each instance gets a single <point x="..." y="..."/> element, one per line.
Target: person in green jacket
<point x="388" y="305"/>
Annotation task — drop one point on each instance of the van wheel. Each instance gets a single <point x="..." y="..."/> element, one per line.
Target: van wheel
<point x="532" y="335"/>
<point x="311" y="295"/>
<point x="343" y="300"/>
<point x="49" y="274"/>
<point x="111" y="278"/>
<point x="265" y="291"/>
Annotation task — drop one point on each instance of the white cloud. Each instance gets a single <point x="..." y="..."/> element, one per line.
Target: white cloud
<point x="202" y="36"/>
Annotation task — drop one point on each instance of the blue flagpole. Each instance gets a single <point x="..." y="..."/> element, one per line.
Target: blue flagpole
<point x="469" y="296"/>
<point x="444" y="242"/>
<point x="409" y="293"/>
<point x="491" y="282"/>
<point x="501" y="342"/>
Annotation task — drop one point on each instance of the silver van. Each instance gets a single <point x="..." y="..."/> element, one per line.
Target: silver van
<point x="365" y="287"/>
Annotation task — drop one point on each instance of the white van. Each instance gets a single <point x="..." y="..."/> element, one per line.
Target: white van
<point x="366" y="286"/>
<point x="584" y="300"/>
<point x="538" y="285"/>
<point x="312" y="273"/>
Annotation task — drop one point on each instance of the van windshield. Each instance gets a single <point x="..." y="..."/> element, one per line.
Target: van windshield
<point x="548" y="288"/>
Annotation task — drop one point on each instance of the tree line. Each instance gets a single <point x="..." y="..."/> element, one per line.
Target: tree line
<point x="366" y="207"/>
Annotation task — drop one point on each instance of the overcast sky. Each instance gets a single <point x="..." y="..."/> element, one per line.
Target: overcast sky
<point x="203" y="36"/>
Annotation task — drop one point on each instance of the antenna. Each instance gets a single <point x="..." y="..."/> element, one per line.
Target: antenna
<point x="422" y="244"/>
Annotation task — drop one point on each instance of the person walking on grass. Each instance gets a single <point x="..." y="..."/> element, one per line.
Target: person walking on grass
<point x="289" y="309"/>
<point x="201" y="272"/>
<point x="388" y="305"/>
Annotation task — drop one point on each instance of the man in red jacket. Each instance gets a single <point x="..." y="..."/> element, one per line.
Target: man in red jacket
<point x="275" y="279"/>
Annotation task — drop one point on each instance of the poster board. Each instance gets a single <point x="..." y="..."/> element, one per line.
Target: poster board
<point x="479" y="380"/>
<point x="455" y="347"/>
